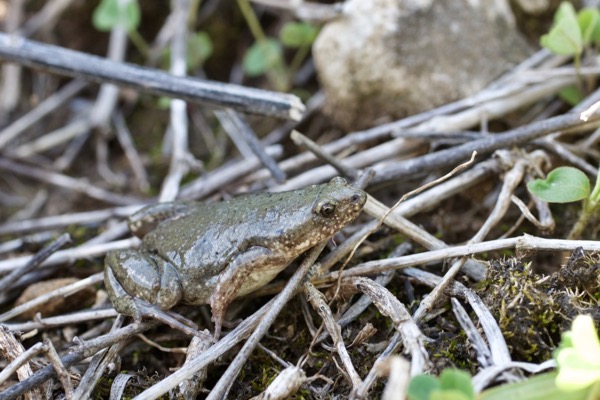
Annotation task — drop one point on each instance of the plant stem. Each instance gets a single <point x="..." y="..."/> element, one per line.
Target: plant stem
<point x="577" y="64"/>
<point x="300" y="55"/>
<point x="595" y="195"/>
<point x="278" y="76"/>
<point x="139" y="42"/>
<point x="589" y="208"/>
<point x="251" y="20"/>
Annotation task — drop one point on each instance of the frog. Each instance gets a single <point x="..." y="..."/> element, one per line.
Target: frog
<point x="197" y="253"/>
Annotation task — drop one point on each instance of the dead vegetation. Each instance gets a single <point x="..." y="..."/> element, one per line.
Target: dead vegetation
<point x="78" y="157"/>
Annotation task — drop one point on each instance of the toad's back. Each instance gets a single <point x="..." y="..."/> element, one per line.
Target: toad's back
<point x="203" y="242"/>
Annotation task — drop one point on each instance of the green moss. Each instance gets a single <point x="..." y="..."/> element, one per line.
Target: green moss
<point x="532" y="310"/>
<point x="451" y="351"/>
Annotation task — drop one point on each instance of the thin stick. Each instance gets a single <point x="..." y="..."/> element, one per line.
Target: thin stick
<point x="511" y="180"/>
<point x="239" y="125"/>
<point x="99" y="364"/>
<point x="46" y="18"/>
<point x="317" y="300"/>
<point x="178" y="124"/>
<point x="445" y="158"/>
<point x="459" y="184"/>
<point x="10" y="85"/>
<point x="428" y="302"/>
<point x="44" y="108"/>
<point x="58" y="221"/>
<point x="52" y="139"/>
<point x="77" y="353"/>
<point x="281" y="300"/>
<point x="301" y="140"/>
<point x="224" y="175"/>
<point x="60" y="292"/>
<point x="18" y="362"/>
<point x="414" y="232"/>
<point x="78" y="185"/>
<point x="35" y="261"/>
<point x="63" y="320"/>
<point x="484" y="355"/>
<point x="73" y="63"/>
<point x="72" y="254"/>
<point x="131" y="153"/>
<point x="61" y="370"/>
<point x="521" y="243"/>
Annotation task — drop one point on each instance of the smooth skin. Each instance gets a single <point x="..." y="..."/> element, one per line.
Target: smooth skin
<point x="195" y="253"/>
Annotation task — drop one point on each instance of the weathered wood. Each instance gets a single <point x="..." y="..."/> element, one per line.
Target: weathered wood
<point x="81" y="65"/>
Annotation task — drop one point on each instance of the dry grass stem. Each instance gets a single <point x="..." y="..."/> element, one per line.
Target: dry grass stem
<point x="319" y="304"/>
<point x="412" y="337"/>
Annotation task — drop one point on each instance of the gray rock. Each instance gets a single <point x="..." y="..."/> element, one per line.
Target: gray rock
<point x="385" y="59"/>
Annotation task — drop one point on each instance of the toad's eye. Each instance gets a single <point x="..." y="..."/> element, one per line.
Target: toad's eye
<point x="326" y="208"/>
<point x="355" y="199"/>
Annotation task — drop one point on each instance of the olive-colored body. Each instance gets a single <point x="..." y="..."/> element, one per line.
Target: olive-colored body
<point x="211" y="253"/>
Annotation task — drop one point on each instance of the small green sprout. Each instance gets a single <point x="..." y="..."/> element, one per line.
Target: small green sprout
<point x="578" y="357"/>
<point x="298" y="34"/>
<point x="453" y="384"/>
<point x="199" y="49"/>
<point x="262" y="56"/>
<point x="110" y="13"/>
<point x="566" y="185"/>
<point x="571" y="34"/>
<point x="588" y="20"/>
<point x="266" y="55"/>
<point x="565" y="37"/>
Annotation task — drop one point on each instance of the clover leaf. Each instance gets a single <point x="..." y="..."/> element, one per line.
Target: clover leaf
<point x="262" y="56"/>
<point x="109" y="13"/>
<point x="589" y="23"/>
<point x="565" y="37"/>
<point x="453" y="384"/>
<point x="297" y="34"/>
<point x="563" y="185"/>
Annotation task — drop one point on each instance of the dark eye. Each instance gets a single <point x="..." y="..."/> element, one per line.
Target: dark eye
<point x="326" y="208"/>
<point x="355" y="198"/>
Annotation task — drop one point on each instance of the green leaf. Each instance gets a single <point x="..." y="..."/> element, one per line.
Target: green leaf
<point x="448" y="395"/>
<point x="164" y="102"/>
<point x="589" y="24"/>
<point x="563" y="185"/>
<point x="109" y="14"/>
<point x="198" y="50"/>
<point x="565" y="36"/>
<point x="262" y="56"/>
<point x="298" y="34"/>
<point x="564" y="10"/>
<point x="421" y="386"/>
<point x="578" y="358"/>
<point x="455" y="379"/>
<point x="570" y="95"/>
<point x="540" y="387"/>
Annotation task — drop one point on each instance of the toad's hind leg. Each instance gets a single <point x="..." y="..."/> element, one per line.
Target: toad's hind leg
<point x="246" y="273"/>
<point x="136" y="274"/>
<point x="143" y="285"/>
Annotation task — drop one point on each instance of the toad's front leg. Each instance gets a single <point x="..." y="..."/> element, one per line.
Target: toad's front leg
<point x="247" y="272"/>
